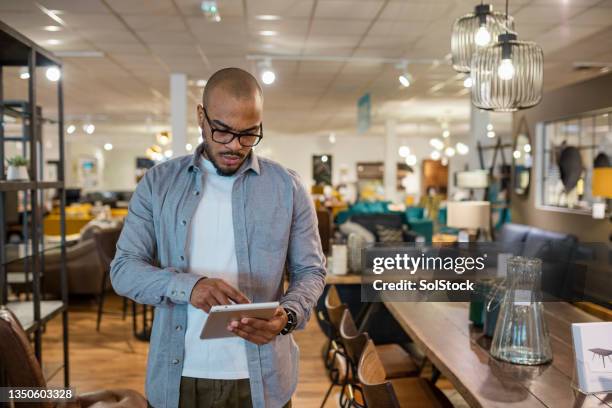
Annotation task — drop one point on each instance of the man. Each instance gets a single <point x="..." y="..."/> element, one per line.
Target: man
<point x="214" y="228"/>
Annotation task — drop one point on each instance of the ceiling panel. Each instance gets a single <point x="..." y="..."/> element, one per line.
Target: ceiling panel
<point x="347" y="9"/>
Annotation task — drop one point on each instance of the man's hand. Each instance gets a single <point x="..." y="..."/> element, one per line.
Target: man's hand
<point x="260" y="331"/>
<point x="212" y="291"/>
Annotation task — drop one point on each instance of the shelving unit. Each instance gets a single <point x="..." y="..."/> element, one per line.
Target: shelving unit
<point x="34" y="311"/>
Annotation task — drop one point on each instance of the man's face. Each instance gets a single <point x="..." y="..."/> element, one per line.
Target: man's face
<point x="226" y="112"/>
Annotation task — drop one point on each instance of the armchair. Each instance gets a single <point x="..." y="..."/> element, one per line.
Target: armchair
<point x="19" y="368"/>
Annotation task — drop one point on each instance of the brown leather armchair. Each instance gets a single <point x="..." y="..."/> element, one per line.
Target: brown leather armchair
<point x="19" y="368"/>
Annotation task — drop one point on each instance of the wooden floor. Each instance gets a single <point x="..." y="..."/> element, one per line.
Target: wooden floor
<point x="113" y="358"/>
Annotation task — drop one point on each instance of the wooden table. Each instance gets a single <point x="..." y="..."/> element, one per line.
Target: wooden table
<point x="460" y="352"/>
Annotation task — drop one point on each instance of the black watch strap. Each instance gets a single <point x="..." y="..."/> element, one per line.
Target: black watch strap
<point x="291" y="321"/>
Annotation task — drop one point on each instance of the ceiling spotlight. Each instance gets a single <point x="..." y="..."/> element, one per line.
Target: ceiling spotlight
<point x="267" y="17"/>
<point x="53" y="41"/>
<point x="53" y="74"/>
<point x="435" y="155"/>
<point x="188" y="147"/>
<point x="324" y="158"/>
<point x="436" y="144"/>
<point x="268" y="77"/>
<point x="404" y="151"/>
<point x="405" y="79"/>
<point x="411" y="160"/>
<point x="268" y="33"/>
<point x="468" y="82"/>
<point x="446" y="133"/>
<point x="449" y="151"/>
<point x="332" y="138"/>
<point x="52" y="28"/>
<point x="490" y="134"/>
<point x="108" y="146"/>
<point x="211" y="11"/>
<point x="24" y="73"/>
<point x="489" y="127"/>
<point x="89" y="128"/>
<point x="462" y="148"/>
<point x="70" y="129"/>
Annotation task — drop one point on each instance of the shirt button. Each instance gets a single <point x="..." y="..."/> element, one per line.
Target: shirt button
<point x="184" y="222"/>
<point x="182" y="258"/>
<point x="175" y="361"/>
<point x="179" y="328"/>
<point x="174" y="293"/>
<point x="196" y="193"/>
<point x="182" y="294"/>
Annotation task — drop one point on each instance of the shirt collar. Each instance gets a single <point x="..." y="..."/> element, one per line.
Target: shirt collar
<point x="251" y="163"/>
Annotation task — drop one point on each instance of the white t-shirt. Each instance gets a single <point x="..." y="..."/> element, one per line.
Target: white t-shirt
<point x="212" y="254"/>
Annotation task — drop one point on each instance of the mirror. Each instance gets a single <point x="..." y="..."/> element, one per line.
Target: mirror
<point x="522" y="159"/>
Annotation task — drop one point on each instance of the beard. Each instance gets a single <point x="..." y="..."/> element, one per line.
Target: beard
<point x="220" y="171"/>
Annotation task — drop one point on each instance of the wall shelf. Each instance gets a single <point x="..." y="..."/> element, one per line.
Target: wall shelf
<point x="33" y="310"/>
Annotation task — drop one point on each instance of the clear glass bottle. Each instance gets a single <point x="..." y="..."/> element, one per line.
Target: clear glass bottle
<point x="521" y="335"/>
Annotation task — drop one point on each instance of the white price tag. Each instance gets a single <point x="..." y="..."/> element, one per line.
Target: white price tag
<point x="522" y="297"/>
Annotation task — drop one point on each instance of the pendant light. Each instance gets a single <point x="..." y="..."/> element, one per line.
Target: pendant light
<point x="476" y="30"/>
<point x="507" y="75"/>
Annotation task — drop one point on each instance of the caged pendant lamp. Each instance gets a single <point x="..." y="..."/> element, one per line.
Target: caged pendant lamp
<point x="508" y="75"/>
<point x="476" y="30"/>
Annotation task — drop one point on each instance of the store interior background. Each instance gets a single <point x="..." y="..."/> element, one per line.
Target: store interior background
<point x="124" y="89"/>
<point x="123" y="60"/>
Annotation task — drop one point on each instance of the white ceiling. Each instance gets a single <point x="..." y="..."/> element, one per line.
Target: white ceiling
<point x="143" y="41"/>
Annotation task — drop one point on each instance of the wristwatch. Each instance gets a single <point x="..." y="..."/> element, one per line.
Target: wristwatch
<point x="291" y="321"/>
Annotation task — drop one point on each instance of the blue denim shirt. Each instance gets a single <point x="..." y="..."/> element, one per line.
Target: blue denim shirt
<point x="275" y="228"/>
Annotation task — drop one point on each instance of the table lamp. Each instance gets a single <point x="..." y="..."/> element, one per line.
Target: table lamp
<point x="473" y="216"/>
<point x="601" y="187"/>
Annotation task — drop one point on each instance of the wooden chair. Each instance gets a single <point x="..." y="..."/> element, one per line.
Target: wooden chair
<point x="334" y="357"/>
<point x="414" y="392"/>
<point x="21" y="369"/>
<point x="396" y="361"/>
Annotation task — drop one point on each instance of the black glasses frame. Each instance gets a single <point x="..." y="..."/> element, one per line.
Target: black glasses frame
<point x="235" y="135"/>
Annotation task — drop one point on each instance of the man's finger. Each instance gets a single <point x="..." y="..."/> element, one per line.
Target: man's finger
<point x="219" y="297"/>
<point x="253" y="338"/>
<point x="233" y="293"/>
<point x="258" y="324"/>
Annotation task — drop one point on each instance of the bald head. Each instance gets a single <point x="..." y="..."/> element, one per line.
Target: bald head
<point x="235" y="82"/>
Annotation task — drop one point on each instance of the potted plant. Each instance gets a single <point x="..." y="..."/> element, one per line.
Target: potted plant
<point x="17" y="169"/>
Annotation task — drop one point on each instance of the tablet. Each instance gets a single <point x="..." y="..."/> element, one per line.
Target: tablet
<point x="220" y="316"/>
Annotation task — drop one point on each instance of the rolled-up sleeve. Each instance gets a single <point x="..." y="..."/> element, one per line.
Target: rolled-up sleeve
<point x="305" y="259"/>
<point x="134" y="271"/>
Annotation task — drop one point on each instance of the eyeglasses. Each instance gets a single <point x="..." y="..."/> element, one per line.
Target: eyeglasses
<point x="225" y="136"/>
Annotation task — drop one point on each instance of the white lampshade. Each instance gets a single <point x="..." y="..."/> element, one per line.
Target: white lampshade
<point x="469" y="214"/>
<point x="473" y="179"/>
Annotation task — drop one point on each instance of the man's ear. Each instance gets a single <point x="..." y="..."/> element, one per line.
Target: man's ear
<point x="200" y="115"/>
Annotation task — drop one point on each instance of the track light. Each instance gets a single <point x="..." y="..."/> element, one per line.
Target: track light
<point x="267" y="74"/>
<point x="70" y="129"/>
<point x="53" y="74"/>
<point x="404" y="151"/>
<point x="89" y="128"/>
<point x="462" y="148"/>
<point x="411" y="160"/>
<point x="436" y="144"/>
<point x="405" y="79"/>
<point x="108" y="146"/>
<point x="24" y="73"/>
